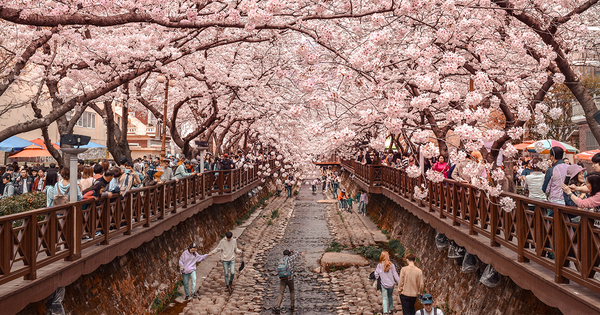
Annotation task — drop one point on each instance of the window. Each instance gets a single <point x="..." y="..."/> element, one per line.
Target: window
<point x="590" y="141"/>
<point x="87" y="120"/>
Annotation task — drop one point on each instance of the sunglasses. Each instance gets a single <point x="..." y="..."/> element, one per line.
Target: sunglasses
<point x="427" y="298"/>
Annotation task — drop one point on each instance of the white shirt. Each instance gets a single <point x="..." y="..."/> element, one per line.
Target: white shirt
<point x="434" y="311"/>
<point x="534" y="183"/>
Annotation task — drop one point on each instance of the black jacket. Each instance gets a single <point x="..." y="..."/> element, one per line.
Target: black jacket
<point x="19" y="184"/>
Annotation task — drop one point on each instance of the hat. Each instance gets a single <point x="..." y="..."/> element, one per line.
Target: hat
<point x="193" y="245"/>
<point x="426" y="299"/>
<point x="286" y="252"/>
<point x="194" y="161"/>
<point x="226" y="155"/>
<point x="574" y="169"/>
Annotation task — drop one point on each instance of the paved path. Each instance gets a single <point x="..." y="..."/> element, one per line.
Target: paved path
<point x="303" y="225"/>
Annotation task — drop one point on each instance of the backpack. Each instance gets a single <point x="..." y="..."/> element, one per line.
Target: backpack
<point x="434" y="311"/>
<point x="283" y="268"/>
<point x="60" y="199"/>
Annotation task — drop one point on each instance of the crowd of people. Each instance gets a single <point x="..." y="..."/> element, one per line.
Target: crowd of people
<point x="112" y="178"/>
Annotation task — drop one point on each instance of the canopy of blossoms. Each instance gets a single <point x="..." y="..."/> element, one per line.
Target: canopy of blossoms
<point x="309" y="78"/>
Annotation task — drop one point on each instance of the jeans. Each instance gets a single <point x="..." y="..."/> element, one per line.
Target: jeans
<point x="186" y="281"/>
<point x="408" y="304"/>
<point x="282" y="284"/>
<point x="362" y="207"/>
<point x="229" y="270"/>
<point x="289" y="191"/>
<point x="324" y="184"/>
<point x="387" y="299"/>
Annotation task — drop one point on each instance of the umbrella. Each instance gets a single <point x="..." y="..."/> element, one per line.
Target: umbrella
<point x="587" y="155"/>
<point x="522" y="146"/>
<point x="28" y="153"/>
<point x="549" y="144"/>
<point x="14" y="143"/>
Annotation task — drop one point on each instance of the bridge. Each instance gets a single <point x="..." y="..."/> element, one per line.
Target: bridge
<point x="47" y="248"/>
<point x="515" y="243"/>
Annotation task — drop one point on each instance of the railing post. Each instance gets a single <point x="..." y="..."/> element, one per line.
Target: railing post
<point x="538" y="226"/>
<point x="75" y="222"/>
<point x="493" y="220"/>
<point x="52" y="233"/>
<point x="147" y="204"/>
<point x="6" y="245"/>
<point x="195" y="188"/>
<point x="30" y="249"/>
<point x="559" y="245"/>
<point x="174" y="196"/>
<point x="430" y="187"/>
<point x="186" y="192"/>
<point x="129" y="212"/>
<point x="370" y="170"/>
<point x="474" y="208"/>
<point x="106" y="221"/>
<point x="521" y="231"/>
<point x="585" y="246"/>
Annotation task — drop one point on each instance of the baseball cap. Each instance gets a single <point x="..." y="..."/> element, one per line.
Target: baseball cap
<point x="426" y="299"/>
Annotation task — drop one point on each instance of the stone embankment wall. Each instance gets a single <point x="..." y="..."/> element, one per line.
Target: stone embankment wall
<point x="131" y="283"/>
<point x="443" y="277"/>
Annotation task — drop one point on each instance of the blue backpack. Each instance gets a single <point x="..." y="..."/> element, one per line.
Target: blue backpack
<point x="283" y="268"/>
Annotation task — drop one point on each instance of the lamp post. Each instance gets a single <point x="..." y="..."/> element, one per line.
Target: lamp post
<point x="162" y="79"/>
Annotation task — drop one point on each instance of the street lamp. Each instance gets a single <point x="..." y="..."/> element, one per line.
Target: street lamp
<point x="162" y="79"/>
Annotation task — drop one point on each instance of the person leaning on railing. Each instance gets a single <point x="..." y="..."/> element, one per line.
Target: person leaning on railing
<point x="593" y="184"/>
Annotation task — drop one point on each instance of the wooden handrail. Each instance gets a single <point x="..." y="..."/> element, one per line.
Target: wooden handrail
<point x="569" y="249"/>
<point x="34" y="239"/>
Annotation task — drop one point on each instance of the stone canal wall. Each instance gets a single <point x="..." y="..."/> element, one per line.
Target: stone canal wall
<point x="443" y="277"/>
<point x="138" y="282"/>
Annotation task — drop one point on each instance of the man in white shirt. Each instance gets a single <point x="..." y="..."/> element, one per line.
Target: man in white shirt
<point x="228" y="248"/>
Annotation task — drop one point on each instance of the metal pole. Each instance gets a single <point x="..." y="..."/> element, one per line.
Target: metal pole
<point x="202" y="161"/>
<point x="73" y="177"/>
<point x="164" y="131"/>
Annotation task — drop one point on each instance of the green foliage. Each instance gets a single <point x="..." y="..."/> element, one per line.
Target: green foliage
<point x="396" y="248"/>
<point x="159" y="304"/>
<point x="22" y="203"/>
<point x="296" y="192"/>
<point x="341" y="216"/>
<point x="446" y="309"/>
<point x="270" y="222"/>
<point x="275" y="214"/>
<point x="335" y="247"/>
<point x="238" y="222"/>
<point x="370" y="252"/>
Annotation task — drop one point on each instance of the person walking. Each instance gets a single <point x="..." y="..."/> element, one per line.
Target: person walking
<point x="386" y="272"/>
<point x="410" y="285"/>
<point x="428" y="309"/>
<point x="228" y="248"/>
<point x="285" y="271"/>
<point x="364" y="200"/>
<point x="187" y="265"/>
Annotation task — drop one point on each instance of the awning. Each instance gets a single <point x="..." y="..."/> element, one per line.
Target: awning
<point x="14" y="143"/>
<point x="587" y="155"/>
<point x="27" y="153"/>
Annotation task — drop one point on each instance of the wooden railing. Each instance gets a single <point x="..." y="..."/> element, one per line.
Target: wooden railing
<point x="560" y="243"/>
<point x="34" y="239"/>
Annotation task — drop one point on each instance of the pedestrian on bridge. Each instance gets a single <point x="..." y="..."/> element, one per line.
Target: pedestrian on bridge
<point x="187" y="265"/>
<point x="228" y="248"/>
<point x="411" y="284"/>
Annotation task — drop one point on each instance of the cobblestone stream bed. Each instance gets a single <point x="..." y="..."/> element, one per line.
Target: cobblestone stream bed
<point x="303" y="225"/>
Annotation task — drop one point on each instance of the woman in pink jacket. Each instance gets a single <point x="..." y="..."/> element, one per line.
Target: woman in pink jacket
<point x="441" y="166"/>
